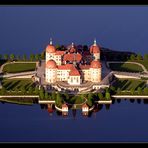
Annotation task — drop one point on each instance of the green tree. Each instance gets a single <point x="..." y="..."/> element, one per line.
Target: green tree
<point x="112" y="89"/>
<point x="100" y="95"/>
<point x="107" y="96"/>
<point x="32" y="56"/>
<point x="46" y="95"/>
<point x="139" y="90"/>
<point x="118" y="91"/>
<point x="132" y="90"/>
<point x="30" y="90"/>
<point x="12" y="56"/>
<point x="41" y="93"/>
<point x="58" y="100"/>
<point x="132" y="57"/>
<point x="37" y="56"/>
<point x="36" y="90"/>
<point x="145" y="90"/>
<point x="43" y="55"/>
<point x="23" y="90"/>
<point x="146" y="57"/>
<point x="90" y="99"/>
<point x="6" y="56"/>
<point x="53" y="95"/>
<point x="3" y="90"/>
<point x="139" y="57"/>
<point x="24" y="57"/>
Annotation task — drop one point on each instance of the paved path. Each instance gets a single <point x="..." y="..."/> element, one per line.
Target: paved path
<point x="18" y="74"/>
<point x="129" y="97"/>
<point x="143" y="67"/>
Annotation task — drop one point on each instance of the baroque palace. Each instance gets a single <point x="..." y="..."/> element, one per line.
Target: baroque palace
<point x="73" y="66"/>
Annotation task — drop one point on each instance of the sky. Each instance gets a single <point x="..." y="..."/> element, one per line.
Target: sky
<point x="27" y="29"/>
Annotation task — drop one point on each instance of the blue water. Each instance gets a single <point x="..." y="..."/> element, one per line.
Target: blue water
<point x="122" y="122"/>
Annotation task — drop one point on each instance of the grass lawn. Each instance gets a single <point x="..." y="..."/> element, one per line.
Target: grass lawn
<point x="127" y="84"/>
<point x="126" y="67"/>
<point x="19" y="67"/>
<point x="13" y="84"/>
<point x="143" y="62"/>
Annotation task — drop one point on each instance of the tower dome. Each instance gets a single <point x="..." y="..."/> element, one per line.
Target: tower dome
<point x="94" y="48"/>
<point x="50" y="48"/>
<point x="51" y="64"/>
<point x="95" y="64"/>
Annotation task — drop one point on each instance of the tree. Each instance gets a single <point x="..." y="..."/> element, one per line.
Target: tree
<point x="132" y="91"/>
<point x="118" y="91"/>
<point x="41" y="93"/>
<point x="32" y="56"/>
<point x="139" y="57"/>
<point x="6" y="56"/>
<point x="12" y="56"/>
<point x="24" y="57"/>
<point x="46" y="95"/>
<point x="112" y="89"/>
<point x="3" y="90"/>
<point x="37" y="56"/>
<point x="43" y="55"/>
<point x="58" y="100"/>
<point x="139" y="90"/>
<point x="132" y="57"/>
<point x="90" y="99"/>
<point x="23" y="90"/>
<point x="53" y="95"/>
<point x="107" y="96"/>
<point x="146" y="57"/>
<point x="30" y="90"/>
<point x="145" y="90"/>
<point x="36" y="90"/>
<point x="100" y="95"/>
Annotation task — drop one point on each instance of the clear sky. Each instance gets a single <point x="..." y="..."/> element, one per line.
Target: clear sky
<point x="25" y="29"/>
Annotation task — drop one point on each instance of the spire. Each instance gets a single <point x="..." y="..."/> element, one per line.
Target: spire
<point x="50" y="41"/>
<point x="95" y="42"/>
<point x="72" y="45"/>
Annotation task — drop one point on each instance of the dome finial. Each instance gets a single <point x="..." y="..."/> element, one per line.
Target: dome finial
<point x="95" y="42"/>
<point x="72" y="45"/>
<point x="50" y="41"/>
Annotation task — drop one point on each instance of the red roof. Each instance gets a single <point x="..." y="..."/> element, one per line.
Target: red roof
<point x="74" y="72"/>
<point x="64" y="106"/>
<point x="95" y="64"/>
<point x="85" y="105"/>
<point x="72" y="50"/>
<point x="65" y="67"/>
<point x="72" y="57"/>
<point x="59" y="52"/>
<point x="51" y="64"/>
<point x="50" y="49"/>
<point x="94" y="49"/>
<point x="84" y="66"/>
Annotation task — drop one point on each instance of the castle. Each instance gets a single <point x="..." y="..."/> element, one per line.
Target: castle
<point x="73" y="66"/>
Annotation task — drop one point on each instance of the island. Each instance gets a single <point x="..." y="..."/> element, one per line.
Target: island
<point x="73" y="77"/>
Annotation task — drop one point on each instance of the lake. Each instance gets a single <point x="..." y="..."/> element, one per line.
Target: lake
<point x="123" y="121"/>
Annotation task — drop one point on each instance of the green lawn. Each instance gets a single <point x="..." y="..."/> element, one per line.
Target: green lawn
<point x="127" y="84"/>
<point x="13" y="84"/>
<point x="143" y="62"/>
<point x="19" y="67"/>
<point x="126" y="67"/>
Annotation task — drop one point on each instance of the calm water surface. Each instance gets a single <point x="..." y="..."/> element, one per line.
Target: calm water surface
<point x="124" y="121"/>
